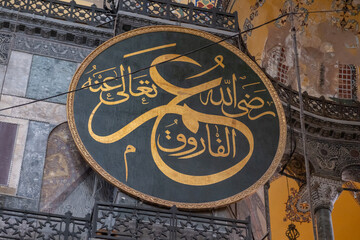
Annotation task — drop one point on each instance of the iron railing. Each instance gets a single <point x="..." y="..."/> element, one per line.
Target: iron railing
<point x="170" y="10"/>
<point x="71" y="11"/>
<point x="319" y="106"/>
<point x="111" y="221"/>
<point x="23" y="224"/>
<point x="94" y="16"/>
<point x="126" y="222"/>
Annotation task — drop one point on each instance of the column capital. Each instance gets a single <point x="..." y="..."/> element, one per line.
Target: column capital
<point x="324" y="192"/>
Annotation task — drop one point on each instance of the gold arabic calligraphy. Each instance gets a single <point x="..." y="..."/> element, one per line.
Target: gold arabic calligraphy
<point x="120" y="89"/>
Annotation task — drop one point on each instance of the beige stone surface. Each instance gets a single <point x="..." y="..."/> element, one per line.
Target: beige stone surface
<point x="17" y="74"/>
<point x="18" y="153"/>
<point x="98" y="3"/>
<point x="7" y="190"/>
<point x="2" y="75"/>
<point x="52" y="113"/>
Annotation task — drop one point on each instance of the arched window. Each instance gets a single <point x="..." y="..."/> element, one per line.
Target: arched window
<point x="282" y="67"/>
<point x="347" y="81"/>
<point x="276" y="65"/>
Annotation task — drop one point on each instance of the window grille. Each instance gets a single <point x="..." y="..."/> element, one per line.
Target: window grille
<point x="282" y="67"/>
<point x="347" y="81"/>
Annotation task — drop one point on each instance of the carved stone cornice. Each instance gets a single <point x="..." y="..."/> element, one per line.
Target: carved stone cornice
<point x="128" y="21"/>
<point x="330" y="158"/>
<point x="50" y="48"/>
<point x="324" y="119"/>
<point x="5" y="42"/>
<point x="53" y="29"/>
<point x="323" y="129"/>
<point x="324" y="192"/>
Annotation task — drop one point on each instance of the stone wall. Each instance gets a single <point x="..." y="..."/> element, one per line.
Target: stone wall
<point x="32" y="69"/>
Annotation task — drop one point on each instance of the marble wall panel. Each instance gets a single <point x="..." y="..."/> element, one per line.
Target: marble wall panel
<point x="64" y="169"/>
<point x="18" y="202"/>
<point x="17" y="75"/>
<point x="81" y="201"/>
<point x="33" y="162"/>
<point x="41" y="111"/>
<point x="50" y="76"/>
<point x="254" y="206"/>
<point x="68" y="183"/>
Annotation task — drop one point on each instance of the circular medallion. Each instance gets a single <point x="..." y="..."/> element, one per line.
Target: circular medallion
<point x="174" y="125"/>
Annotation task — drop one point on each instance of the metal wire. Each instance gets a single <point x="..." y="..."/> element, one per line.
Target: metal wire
<point x="302" y="123"/>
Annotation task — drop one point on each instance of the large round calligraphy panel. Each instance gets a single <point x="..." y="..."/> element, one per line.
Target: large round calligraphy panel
<point x="197" y="130"/>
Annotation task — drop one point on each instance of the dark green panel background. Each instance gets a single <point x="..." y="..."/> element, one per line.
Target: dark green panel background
<point x="144" y="176"/>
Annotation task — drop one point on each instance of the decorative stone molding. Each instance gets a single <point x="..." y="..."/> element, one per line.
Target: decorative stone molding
<point x="50" y="48"/>
<point x="327" y="158"/>
<point x="351" y="173"/>
<point x="295" y="166"/>
<point x="324" y="192"/>
<point x="330" y="157"/>
<point x="325" y="129"/>
<point x="355" y="195"/>
<point x="5" y="42"/>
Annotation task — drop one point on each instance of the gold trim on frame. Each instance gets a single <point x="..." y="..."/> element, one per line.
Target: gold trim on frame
<point x="181" y="205"/>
